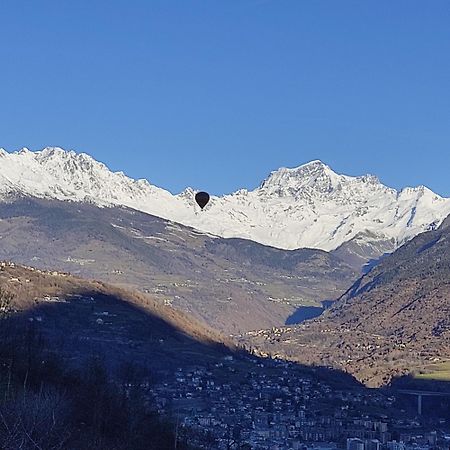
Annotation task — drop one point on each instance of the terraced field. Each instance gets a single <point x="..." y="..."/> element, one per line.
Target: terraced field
<point x="438" y="372"/>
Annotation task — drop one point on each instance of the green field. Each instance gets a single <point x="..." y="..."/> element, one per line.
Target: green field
<point x="438" y="371"/>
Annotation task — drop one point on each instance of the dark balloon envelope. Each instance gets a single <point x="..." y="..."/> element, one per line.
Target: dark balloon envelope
<point x="202" y="199"/>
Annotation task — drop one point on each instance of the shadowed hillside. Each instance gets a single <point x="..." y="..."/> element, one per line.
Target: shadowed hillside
<point x="80" y="314"/>
<point x="78" y="360"/>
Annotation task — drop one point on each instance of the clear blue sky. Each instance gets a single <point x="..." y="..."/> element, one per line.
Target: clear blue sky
<point x="216" y="94"/>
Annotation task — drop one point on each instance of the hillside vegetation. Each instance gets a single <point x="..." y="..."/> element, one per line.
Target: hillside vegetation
<point x="393" y="321"/>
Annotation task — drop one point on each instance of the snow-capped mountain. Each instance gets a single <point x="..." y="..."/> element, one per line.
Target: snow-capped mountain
<point x="308" y="206"/>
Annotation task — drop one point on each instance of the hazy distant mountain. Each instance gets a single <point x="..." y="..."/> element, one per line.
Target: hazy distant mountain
<point x="308" y="206"/>
<point x="231" y="284"/>
<point x="394" y="320"/>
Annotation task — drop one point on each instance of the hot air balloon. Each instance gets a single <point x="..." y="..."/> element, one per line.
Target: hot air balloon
<point x="202" y="199"/>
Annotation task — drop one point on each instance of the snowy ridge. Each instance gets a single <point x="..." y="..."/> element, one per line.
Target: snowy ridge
<point x="308" y="206"/>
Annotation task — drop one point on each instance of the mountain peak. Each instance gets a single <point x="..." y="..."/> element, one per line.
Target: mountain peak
<point x="68" y="163"/>
<point x="421" y="190"/>
<point x="314" y="175"/>
<point x="60" y="153"/>
<point x="309" y="167"/>
<point x="313" y="163"/>
<point x="316" y="163"/>
<point x="51" y="151"/>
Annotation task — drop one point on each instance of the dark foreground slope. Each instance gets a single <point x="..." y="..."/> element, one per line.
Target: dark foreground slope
<point x="78" y="360"/>
<point x="394" y="320"/>
<point x="231" y="284"/>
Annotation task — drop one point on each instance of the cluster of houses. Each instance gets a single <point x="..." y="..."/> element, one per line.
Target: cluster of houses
<point x="5" y="264"/>
<point x="276" y="406"/>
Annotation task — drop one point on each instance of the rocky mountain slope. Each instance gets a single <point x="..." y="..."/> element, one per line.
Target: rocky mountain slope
<point x="308" y="206"/>
<point x="393" y="321"/>
<point x="233" y="285"/>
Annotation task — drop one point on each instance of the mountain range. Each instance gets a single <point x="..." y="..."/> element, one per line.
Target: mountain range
<point x="252" y="261"/>
<point x="305" y="207"/>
